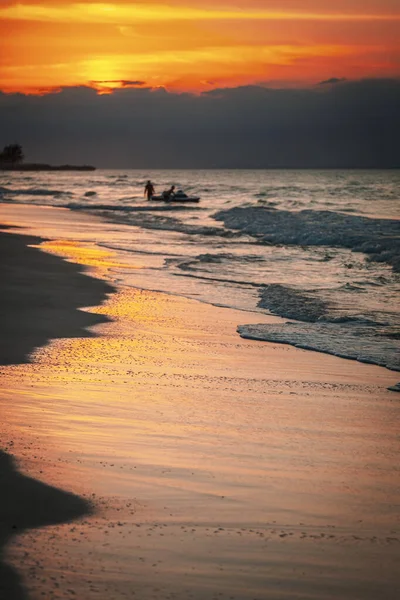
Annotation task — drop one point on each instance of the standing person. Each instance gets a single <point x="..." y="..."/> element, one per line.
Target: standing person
<point x="149" y="190"/>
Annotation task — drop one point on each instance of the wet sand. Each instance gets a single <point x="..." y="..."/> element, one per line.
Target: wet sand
<point x="39" y="299"/>
<point x="217" y="467"/>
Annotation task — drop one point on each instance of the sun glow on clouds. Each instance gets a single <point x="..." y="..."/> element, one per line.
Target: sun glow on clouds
<point x="135" y="12"/>
<point x="186" y="44"/>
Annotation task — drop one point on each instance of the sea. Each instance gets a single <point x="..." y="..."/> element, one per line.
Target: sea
<point x="321" y="249"/>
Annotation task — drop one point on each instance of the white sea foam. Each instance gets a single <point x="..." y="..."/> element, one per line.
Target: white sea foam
<point x="380" y="238"/>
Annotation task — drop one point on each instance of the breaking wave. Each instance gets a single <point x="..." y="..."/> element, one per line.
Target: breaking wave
<point x="345" y="341"/>
<point x="311" y="306"/>
<point x="378" y="238"/>
<point x="142" y="216"/>
<point x="325" y="328"/>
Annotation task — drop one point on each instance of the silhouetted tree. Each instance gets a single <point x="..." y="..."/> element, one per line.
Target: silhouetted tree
<point x="12" y="154"/>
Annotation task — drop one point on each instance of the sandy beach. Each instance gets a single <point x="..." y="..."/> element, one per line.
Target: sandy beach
<point x="149" y="452"/>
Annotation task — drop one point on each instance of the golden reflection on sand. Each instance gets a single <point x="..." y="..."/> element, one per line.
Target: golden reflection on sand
<point x="229" y="463"/>
<point x="134" y="308"/>
<point x="85" y="254"/>
<point x="179" y="389"/>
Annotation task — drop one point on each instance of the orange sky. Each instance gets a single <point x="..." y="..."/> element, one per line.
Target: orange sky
<point x="195" y="44"/>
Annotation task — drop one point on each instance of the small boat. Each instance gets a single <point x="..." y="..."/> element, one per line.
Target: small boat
<point x="178" y="197"/>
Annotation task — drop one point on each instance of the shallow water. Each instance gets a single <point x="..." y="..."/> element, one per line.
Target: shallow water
<point x="329" y="236"/>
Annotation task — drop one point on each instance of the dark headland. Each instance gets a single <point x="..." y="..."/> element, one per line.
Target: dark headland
<point x="45" y="167"/>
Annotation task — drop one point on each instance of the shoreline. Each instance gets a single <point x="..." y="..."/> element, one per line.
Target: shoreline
<point x="216" y="465"/>
<point x="56" y="290"/>
<point x="282" y="326"/>
<point x="33" y="310"/>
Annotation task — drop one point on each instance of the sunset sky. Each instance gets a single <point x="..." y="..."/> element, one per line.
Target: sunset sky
<point x="195" y="45"/>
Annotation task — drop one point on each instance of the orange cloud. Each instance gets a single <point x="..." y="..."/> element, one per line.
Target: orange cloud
<point x="186" y="44"/>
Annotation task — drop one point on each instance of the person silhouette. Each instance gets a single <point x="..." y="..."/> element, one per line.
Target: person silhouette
<point x="149" y="190"/>
<point x="168" y="194"/>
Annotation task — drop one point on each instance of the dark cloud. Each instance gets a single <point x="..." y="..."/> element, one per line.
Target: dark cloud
<point x="354" y="124"/>
<point x="121" y="82"/>
<point x="332" y="80"/>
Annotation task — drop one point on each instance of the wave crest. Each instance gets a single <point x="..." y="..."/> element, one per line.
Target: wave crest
<point x="344" y="340"/>
<point x="379" y="238"/>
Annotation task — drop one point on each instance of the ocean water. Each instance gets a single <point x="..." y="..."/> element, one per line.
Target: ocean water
<point x="319" y="248"/>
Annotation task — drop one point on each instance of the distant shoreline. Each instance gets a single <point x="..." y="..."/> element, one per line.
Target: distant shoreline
<point x="45" y="167"/>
